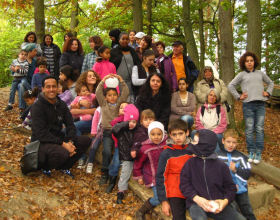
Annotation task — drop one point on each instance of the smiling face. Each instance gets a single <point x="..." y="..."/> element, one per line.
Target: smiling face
<point x="50" y="90"/>
<point x="156" y="135"/>
<point x="230" y="143"/>
<point x="91" y="78"/>
<point x="31" y="38"/>
<point x="143" y="44"/>
<point x="212" y="98"/>
<point x="48" y="40"/>
<point x="74" y="46"/>
<point x="124" y="40"/>
<point x="131" y="36"/>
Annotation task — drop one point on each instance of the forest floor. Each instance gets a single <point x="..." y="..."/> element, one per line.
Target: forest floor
<point x="61" y="197"/>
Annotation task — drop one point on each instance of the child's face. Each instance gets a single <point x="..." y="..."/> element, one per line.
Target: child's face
<point x="30" y="101"/>
<point x="195" y="139"/>
<point x="146" y="121"/>
<point x="121" y="110"/>
<point x="111" y="97"/>
<point x="106" y="54"/>
<point x="179" y="136"/>
<point x="132" y="124"/>
<point x="42" y="68"/>
<point x="59" y="89"/>
<point x="84" y="91"/>
<point x="156" y="135"/>
<point x="22" y="55"/>
<point x="62" y="76"/>
<point x="249" y="63"/>
<point x="230" y="143"/>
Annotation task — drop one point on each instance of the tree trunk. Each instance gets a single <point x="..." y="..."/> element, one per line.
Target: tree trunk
<point x="227" y="49"/>
<point x="188" y="31"/>
<point x="149" y="16"/>
<point x="254" y="29"/>
<point x="39" y="17"/>
<point x="137" y="15"/>
<point x="74" y="17"/>
<point x="201" y="37"/>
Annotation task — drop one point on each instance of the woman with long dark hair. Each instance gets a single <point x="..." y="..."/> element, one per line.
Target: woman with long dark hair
<point x="31" y="37"/>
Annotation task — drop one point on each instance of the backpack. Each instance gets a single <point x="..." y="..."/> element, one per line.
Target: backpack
<point x="29" y="160"/>
<point x="218" y="110"/>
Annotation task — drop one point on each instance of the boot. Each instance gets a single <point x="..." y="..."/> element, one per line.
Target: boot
<point x="146" y="207"/>
<point x="120" y="197"/>
<point x="112" y="183"/>
<point x="103" y="179"/>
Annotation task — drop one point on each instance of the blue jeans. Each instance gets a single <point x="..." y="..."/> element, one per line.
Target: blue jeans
<point x="82" y="127"/>
<point x="108" y="144"/>
<point x="154" y="200"/>
<point x="188" y="119"/>
<point x="244" y="205"/>
<point x="21" y="85"/>
<point x="115" y="164"/>
<point x="254" y="113"/>
<point x="229" y="213"/>
<point x="93" y="149"/>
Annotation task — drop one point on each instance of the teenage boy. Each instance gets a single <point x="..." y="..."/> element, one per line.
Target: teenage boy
<point x="171" y="161"/>
<point x="240" y="171"/>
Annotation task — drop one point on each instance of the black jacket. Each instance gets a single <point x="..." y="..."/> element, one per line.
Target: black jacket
<point x="56" y="54"/>
<point x="48" y="120"/>
<point x="190" y="70"/>
<point x="116" y="56"/>
<point x="125" y="139"/>
<point x="73" y="59"/>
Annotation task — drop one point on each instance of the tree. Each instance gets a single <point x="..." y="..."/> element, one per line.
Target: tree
<point x="137" y="15"/>
<point x="39" y="17"/>
<point x="74" y="17"/>
<point x="254" y="28"/>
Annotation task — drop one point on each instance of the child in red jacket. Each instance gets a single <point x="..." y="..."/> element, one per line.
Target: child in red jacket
<point x="171" y="161"/>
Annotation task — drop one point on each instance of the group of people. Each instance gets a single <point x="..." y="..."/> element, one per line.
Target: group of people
<point x="127" y="97"/>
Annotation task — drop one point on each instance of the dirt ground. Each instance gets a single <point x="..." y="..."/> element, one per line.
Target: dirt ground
<point x="60" y="197"/>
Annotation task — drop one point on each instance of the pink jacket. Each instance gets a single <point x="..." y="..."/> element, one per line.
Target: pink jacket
<point x="89" y="98"/>
<point x="210" y="119"/>
<point x="96" y="121"/>
<point x="113" y="122"/>
<point x="103" y="68"/>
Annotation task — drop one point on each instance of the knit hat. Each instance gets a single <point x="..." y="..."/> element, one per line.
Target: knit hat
<point x="156" y="124"/>
<point x="131" y="113"/>
<point x="206" y="145"/>
<point x="140" y="35"/>
<point x="112" y="82"/>
<point x="29" y="47"/>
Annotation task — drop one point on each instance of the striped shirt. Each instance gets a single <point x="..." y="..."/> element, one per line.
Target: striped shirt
<point x="49" y="54"/>
<point x="22" y="71"/>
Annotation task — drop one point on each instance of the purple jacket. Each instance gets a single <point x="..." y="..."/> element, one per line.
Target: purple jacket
<point x="166" y="67"/>
<point x="140" y="135"/>
<point x="145" y="166"/>
<point x="66" y="97"/>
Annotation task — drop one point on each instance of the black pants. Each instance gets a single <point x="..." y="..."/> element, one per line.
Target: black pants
<point x="53" y="156"/>
<point x="244" y="205"/>
<point x="178" y="208"/>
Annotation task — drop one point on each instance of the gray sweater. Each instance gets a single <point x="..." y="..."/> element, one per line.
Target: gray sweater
<point x="252" y="84"/>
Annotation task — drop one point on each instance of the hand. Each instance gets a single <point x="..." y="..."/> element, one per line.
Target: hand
<point x="265" y="94"/>
<point x="140" y="181"/>
<point x="75" y="111"/>
<point x="75" y="106"/>
<point x="165" y="208"/>
<point x="107" y="77"/>
<point x="243" y="96"/>
<point x="232" y="167"/>
<point x="118" y="77"/>
<point x="69" y="147"/>
<point x="13" y="68"/>
<point x="85" y="103"/>
<point x="203" y="203"/>
<point x="222" y="204"/>
<point x="17" y="68"/>
<point x="133" y="154"/>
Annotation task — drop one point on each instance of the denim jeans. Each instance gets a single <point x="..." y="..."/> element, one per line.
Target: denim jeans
<point x="127" y="167"/>
<point x="188" y="119"/>
<point x="154" y="200"/>
<point x="93" y="149"/>
<point x="108" y="144"/>
<point x="21" y="85"/>
<point x="115" y="164"/>
<point x="229" y="213"/>
<point x="254" y="113"/>
<point x="82" y="127"/>
<point x="244" y="205"/>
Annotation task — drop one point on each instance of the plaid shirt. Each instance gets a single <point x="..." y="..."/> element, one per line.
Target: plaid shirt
<point x="89" y="60"/>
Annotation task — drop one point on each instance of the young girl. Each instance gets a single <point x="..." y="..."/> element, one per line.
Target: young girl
<point x="145" y="166"/>
<point x="104" y="67"/>
<point x="64" y="93"/>
<point x="83" y="94"/>
<point x="30" y="97"/>
<point x="253" y="97"/>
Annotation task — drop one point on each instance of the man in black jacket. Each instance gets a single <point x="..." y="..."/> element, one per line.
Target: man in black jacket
<point x="58" y="150"/>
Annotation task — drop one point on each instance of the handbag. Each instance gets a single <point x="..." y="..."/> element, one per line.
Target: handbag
<point x="29" y="160"/>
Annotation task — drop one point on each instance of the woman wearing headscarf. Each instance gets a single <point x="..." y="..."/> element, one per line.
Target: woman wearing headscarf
<point x="114" y="36"/>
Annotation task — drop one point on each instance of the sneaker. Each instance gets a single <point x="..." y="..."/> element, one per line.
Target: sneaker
<point x="89" y="168"/>
<point x="258" y="158"/>
<point x="47" y="172"/>
<point x="8" y="108"/>
<point x="103" y="179"/>
<point x="251" y="157"/>
<point x="120" y="197"/>
<point x="81" y="163"/>
<point x="67" y="172"/>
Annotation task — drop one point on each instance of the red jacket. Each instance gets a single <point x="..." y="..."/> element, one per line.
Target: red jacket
<point x="171" y="161"/>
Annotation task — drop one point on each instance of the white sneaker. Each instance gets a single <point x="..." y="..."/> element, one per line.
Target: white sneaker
<point x="80" y="163"/>
<point x="251" y="157"/>
<point x="89" y="168"/>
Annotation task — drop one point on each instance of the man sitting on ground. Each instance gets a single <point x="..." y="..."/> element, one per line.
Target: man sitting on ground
<point x="58" y="150"/>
